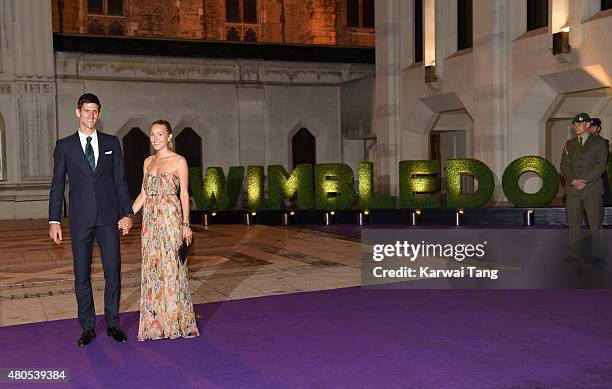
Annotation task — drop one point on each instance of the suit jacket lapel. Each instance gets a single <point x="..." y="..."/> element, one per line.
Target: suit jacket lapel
<point x="78" y="150"/>
<point x="102" y="147"/>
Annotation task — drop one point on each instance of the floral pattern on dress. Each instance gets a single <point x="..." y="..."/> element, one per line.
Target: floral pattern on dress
<point x="166" y="309"/>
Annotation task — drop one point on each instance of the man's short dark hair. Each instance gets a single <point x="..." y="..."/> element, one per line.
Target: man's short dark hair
<point x="89" y="98"/>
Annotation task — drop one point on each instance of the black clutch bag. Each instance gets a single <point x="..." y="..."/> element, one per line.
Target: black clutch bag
<point x="183" y="251"/>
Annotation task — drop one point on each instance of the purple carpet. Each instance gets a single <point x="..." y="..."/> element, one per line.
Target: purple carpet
<point x="349" y="338"/>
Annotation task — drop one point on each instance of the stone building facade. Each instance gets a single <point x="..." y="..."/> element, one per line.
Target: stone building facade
<point x="485" y="82"/>
<point x="327" y="22"/>
<point x="226" y="110"/>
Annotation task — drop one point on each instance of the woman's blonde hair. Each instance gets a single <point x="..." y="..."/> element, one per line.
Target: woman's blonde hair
<point x="163" y="123"/>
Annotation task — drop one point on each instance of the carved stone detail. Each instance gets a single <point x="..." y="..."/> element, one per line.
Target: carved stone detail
<point x="109" y="67"/>
<point x="33" y="88"/>
<point x="37" y="129"/>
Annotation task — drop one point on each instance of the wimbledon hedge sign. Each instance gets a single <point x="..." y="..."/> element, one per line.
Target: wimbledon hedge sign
<point x="330" y="186"/>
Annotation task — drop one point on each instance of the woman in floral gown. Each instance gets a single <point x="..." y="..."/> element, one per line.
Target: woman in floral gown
<point x="166" y="310"/>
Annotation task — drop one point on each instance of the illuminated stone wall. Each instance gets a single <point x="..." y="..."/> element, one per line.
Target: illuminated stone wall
<point x="306" y="21"/>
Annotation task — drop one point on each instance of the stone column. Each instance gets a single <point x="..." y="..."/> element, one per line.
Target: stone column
<point x="386" y="120"/>
<point x="491" y="92"/>
<point x="27" y="106"/>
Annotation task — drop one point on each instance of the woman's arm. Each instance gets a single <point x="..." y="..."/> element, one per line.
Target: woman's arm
<point x="139" y="202"/>
<point x="183" y="173"/>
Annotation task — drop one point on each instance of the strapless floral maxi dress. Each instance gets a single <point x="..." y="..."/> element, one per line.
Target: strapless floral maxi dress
<point x="166" y="309"/>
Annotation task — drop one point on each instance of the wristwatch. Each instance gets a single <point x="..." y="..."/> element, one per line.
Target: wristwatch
<point x="186" y="224"/>
<point x="130" y="215"/>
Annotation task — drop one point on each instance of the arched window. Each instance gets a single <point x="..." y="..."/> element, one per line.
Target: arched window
<point x="464" y="24"/>
<point x="233" y="34"/>
<point x="250" y="35"/>
<point x="241" y="20"/>
<point x="135" y="151"/>
<point x="189" y="144"/>
<point x="241" y="11"/>
<point x="419" y="41"/>
<point x="303" y="148"/>
<point x="105" y="17"/>
<point x="116" y="28"/>
<point x="360" y="13"/>
<point x="105" y="7"/>
<point x="537" y="14"/>
<point x="115" y="7"/>
<point x="95" y="27"/>
<point x="95" y="6"/>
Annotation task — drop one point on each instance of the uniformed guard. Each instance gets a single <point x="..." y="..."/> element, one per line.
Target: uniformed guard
<point x="583" y="162"/>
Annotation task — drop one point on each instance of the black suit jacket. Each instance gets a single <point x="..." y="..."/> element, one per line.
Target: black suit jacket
<point x="102" y="195"/>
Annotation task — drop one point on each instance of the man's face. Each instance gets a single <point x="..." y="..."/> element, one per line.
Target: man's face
<point x="88" y="115"/>
<point x="581" y="127"/>
<point x="594" y="129"/>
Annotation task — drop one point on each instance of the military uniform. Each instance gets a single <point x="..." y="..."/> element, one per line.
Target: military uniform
<point x="588" y="162"/>
<point x="604" y="177"/>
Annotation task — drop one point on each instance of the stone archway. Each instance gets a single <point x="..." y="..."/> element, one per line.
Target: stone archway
<point x="448" y="139"/>
<point x="439" y="128"/>
<point x="135" y="150"/>
<point x="426" y="116"/>
<point x="303" y="148"/>
<point x="315" y="128"/>
<point x="200" y="130"/>
<point x="189" y="144"/>
<point x="541" y="121"/>
<point x="542" y="100"/>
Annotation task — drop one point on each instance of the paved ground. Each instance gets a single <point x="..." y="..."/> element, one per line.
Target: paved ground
<point x="227" y="262"/>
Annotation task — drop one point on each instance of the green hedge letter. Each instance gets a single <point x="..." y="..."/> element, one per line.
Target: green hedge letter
<point x="455" y="170"/>
<point x="418" y="184"/>
<point x="281" y="186"/>
<point x="217" y="192"/>
<point x="255" y="187"/>
<point x="367" y="198"/>
<point x="196" y="184"/>
<point x="334" y="187"/>
<point x="539" y="166"/>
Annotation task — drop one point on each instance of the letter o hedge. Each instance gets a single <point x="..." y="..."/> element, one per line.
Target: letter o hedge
<point x="537" y="165"/>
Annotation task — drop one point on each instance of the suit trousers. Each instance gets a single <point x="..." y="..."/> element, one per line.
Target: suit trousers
<point x="590" y="205"/>
<point x="108" y="240"/>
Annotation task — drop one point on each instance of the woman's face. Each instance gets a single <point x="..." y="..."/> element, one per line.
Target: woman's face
<point x="159" y="137"/>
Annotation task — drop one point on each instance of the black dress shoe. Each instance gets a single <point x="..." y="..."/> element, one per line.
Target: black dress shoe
<point x="86" y="337"/>
<point x="117" y="334"/>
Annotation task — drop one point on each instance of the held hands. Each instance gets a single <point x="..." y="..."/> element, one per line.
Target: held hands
<point x="55" y="233"/>
<point x="124" y="224"/>
<point x="187" y="235"/>
<point x="579" y="184"/>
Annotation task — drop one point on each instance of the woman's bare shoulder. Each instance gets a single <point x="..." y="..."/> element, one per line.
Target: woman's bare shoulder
<point x="147" y="161"/>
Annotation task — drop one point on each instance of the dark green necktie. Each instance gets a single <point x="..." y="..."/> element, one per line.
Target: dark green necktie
<point x="580" y="142"/>
<point x="89" y="154"/>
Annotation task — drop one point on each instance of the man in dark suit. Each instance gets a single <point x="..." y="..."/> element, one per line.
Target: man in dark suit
<point x="595" y="129"/>
<point x="99" y="207"/>
<point x="583" y="162"/>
